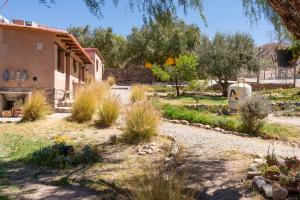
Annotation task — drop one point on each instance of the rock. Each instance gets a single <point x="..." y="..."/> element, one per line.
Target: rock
<point x="207" y="127"/>
<point x="252" y="167"/>
<point x="174" y="121"/>
<point x="279" y="193"/>
<point x="258" y="182"/>
<point x="168" y="159"/>
<point x="259" y="161"/>
<point x="218" y="129"/>
<point x="142" y="153"/>
<point x="260" y="155"/>
<point x="267" y="190"/>
<point x="184" y="122"/>
<point x="252" y="174"/>
<point x="148" y="151"/>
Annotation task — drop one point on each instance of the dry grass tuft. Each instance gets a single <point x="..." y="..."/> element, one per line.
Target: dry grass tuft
<point x="138" y="93"/>
<point x="142" y="122"/>
<point x="84" y="106"/>
<point x="109" y="111"/>
<point x="155" y="184"/>
<point x="87" y="99"/>
<point x="111" y="80"/>
<point x="36" y="107"/>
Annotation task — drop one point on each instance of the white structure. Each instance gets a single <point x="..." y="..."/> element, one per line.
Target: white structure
<point x="237" y="94"/>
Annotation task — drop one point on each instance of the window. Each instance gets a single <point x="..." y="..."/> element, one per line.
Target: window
<point x="97" y="65"/>
<point x="74" y="66"/>
<point x="60" y="60"/>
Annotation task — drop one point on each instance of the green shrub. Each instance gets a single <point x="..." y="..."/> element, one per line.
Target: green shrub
<point x="65" y="156"/>
<point x="141" y="123"/>
<point x="84" y="106"/>
<point x="138" y="93"/>
<point x="253" y="111"/>
<point x="109" y="111"/>
<point x="207" y="118"/>
<point x="36" y="107"/>
<point x="154" y="184"/>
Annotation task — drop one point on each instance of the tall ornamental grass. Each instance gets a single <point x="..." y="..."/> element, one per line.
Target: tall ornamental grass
<point x="142" y="122"/>
<point x="36" y="107"/>
<point x="138" y="93"/>
<point x="109" y="111"/>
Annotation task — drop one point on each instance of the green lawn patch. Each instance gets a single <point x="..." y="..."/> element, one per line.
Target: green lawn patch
<point x="282" y="95"/>
<point x="214" y="120"/>
<point x="203" y="100"/>
<point x="19" y="146"/>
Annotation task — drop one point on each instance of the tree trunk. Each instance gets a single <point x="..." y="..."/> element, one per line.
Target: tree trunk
<point x="289" y="11"/>
<point x="258" y="76"/>
<point x="295" y="74"/>
<point x="224" y="85"/>
<point x="177" y="89"/>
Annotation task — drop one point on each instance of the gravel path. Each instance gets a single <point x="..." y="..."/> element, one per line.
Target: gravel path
<point x="295" y="121"/>
<point x="207" y="141"/>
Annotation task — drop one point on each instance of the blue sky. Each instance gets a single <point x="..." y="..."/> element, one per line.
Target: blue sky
<point x="222" y="15"/>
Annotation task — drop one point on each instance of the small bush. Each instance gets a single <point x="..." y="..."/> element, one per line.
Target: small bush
<point x="36" y="107"/>
<point x="65" y="156"/>
<point x="84" y="106"/>
<point x="253" y="111"/>
<point x="138" y="93"/>
<point x="111" y="80"/>
<point x="109" y="111"/>
<point x="155" y="184"/>
<point x="141" y="123"/>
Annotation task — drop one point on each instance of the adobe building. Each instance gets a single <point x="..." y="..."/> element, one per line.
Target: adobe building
<point x="95" y="70"/>
<point x="39" y="57"/>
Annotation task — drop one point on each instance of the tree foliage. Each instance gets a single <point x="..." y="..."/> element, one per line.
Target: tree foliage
<point x="164" y="38"/>
<point x="183" y="70"/>
<point x="226" y="55"/>
<point x="111" y="45"/>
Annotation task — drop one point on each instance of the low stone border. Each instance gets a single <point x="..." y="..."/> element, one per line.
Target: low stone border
<point x="208" y="127"/>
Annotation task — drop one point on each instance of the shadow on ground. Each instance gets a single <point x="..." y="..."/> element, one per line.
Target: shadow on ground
<point x="21" y="181"/>
<point x="212" y="178"/>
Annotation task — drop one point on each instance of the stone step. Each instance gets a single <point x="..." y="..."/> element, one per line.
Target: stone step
<point x="63" y="109"/>
<point x="65" y="104"/>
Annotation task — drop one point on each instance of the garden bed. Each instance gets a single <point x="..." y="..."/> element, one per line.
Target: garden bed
<point x="229" y="123"/>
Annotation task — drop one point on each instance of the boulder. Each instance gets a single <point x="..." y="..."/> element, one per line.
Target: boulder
<point x="258" y="182"/>
<point x="267" y="190"/>
<point x="279" y="193"/>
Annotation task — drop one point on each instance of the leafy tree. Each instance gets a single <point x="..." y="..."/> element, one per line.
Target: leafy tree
<point x="225" y="56"/>
<point x="111" y="45"/>
<point x="164" y="38"/>
<point x="198" y="86"/>
<point x="183" y="70"/>
<point x="83" y="34"/>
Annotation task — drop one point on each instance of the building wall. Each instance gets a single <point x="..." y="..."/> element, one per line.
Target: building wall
<point x="27" y="50"/>
<point x="96" y="69"/>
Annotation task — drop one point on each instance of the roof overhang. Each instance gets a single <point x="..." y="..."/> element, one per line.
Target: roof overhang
<point x="67" y="38"/>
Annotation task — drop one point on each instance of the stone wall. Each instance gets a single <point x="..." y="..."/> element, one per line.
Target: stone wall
<point x="130" y="74"/>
